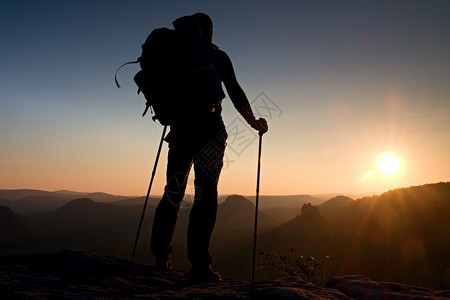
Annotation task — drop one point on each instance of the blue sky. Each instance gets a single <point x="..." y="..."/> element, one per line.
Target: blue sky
<point x="351" y="81"/>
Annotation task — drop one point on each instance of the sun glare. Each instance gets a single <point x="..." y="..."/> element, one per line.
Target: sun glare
<point x="389" y="164"/>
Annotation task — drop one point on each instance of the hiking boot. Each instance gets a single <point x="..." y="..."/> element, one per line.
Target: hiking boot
<point x="203" y="274"/>
<point x="163" y="264"/>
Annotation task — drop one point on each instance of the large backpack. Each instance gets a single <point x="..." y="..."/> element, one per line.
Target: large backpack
<point x="177" y="75"/>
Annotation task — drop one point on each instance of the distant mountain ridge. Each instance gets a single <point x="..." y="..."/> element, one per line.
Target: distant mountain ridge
<point x="13" y="195"/>
<point x="401" y="235"/>
<point x="32" y="202"/>
<point x="29" y="201"/>
<point x="283" y="201"/>
<point x="336" y="202"/>
<point x="17" y="194"/>
<point x="85" y="214"/>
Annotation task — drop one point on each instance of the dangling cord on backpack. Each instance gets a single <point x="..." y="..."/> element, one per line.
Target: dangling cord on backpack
<point x="115" y="75"/>
<point x="147" y="104"/>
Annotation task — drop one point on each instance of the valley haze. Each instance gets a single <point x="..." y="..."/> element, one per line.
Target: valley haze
<point x="404" y="231"/>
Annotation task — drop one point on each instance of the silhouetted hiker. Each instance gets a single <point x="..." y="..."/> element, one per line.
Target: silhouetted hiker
<point x="199" y="140"/>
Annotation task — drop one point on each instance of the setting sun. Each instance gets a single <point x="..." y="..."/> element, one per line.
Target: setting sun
<point x="389" y="164"/>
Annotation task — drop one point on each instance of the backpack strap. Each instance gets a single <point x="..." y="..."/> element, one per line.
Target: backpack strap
<point x="127" y="63"/>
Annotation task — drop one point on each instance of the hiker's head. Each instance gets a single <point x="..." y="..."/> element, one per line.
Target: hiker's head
<point x="206" y="26"/>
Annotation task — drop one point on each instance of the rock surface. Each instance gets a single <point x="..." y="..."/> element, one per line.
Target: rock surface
<point x="360" y="287"/>
<point x="73" y="274"/>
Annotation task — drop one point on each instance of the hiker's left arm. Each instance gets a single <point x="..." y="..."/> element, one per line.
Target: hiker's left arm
<point x="238" y="97"/>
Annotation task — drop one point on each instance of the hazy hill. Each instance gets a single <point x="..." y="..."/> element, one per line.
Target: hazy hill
<point x="28" y="201"/>
<point x="329" y="209"/>
<point x="103" y="197"/>
<point x="31" y="202"/>
<point x="406" y="232"/>
<point x="68" y="192"/>
<point x="15" y="232"/>
<point x="138" y="201"/>
<point x="84" y="214"/>
<point x="326" y="197"/>
<point x="82" y="224"/>
<point x="281" y="215"/>
<point x="308" y="231"/>
<point x="32" y="205"/>
<point x="291" y="201"/>
<point x="13" y="195"/>
<point x="336" y="202"/>
<point x="11" y="223"/>
<point x="236" y="214"/>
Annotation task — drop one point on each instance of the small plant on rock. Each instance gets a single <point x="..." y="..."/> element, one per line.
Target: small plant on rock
<point x="294" y="264"/>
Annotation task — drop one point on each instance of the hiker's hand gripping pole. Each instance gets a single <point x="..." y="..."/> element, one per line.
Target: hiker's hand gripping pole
<point x="148" y="191"/>
<point x="256" y="205"/>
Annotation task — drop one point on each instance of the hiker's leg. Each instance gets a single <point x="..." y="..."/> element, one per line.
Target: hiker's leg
<point x="179" y="163"/>
<point x="207" y="165"/>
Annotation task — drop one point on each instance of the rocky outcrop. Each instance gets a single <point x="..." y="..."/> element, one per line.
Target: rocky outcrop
<point x="75" y="274"/>
<point x="360" y="287"/>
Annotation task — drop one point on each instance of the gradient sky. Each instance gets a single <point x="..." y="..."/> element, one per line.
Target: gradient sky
<point x="345" y="81"/>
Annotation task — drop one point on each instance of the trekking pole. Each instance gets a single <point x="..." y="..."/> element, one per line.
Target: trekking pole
<point x="148" y="191"/>
<point x="256" y="206"/>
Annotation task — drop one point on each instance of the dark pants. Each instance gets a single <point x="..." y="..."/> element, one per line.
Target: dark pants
<point x="202" y="146"/>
